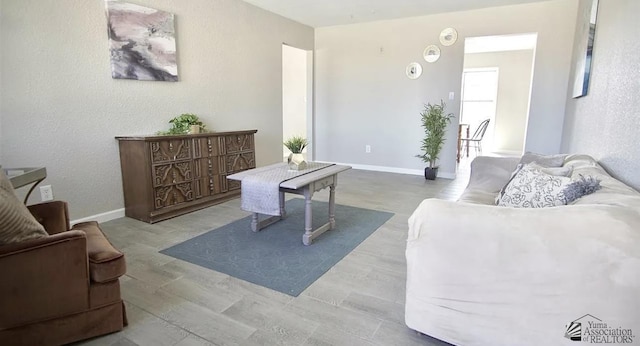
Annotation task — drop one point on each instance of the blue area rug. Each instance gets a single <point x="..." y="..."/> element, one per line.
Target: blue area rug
<point x="275" y="257"/>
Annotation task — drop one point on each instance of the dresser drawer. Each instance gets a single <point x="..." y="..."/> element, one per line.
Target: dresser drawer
<point x="172" y="173"/>
<point x="170" y="150"/>
<point x="240" y="162"/>
<point x="206" y="147"/>
<point x="238" y="143"/>
<point x="167" y="196"/>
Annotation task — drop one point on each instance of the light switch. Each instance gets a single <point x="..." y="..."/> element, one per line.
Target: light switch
<point x="451" y="95"/>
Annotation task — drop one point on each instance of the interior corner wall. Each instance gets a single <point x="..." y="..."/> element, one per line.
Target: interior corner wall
<point x="363" y="96"/>
<point x="294" y="94"/>
<point x="60" y="108"/>
<point x="514" y="84"/>
<point x="605" y="122"/>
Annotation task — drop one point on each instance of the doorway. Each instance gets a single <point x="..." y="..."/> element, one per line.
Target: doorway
<point x="479" y="98"/>
<point x="297" y="97"/>
<point x="497" y="77"/>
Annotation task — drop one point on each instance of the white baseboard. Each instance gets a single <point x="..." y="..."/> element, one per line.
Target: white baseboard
<point x="118" y="213"/>
<point x="419" y="172"/>
<point x="102" y="217"/>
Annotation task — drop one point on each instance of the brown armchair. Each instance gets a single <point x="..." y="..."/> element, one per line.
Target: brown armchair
<point x="61" y="288"/>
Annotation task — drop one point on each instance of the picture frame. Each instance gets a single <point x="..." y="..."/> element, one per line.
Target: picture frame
<point x="584" y="42"/>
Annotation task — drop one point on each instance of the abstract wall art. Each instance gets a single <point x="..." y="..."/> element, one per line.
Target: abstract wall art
<point x="141" y="42"/>
<point x="583" y="46"/>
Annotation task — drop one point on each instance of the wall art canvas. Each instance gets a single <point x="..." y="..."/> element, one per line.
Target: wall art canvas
<point x="585" y="34"/>
<point x="141" y="42"/>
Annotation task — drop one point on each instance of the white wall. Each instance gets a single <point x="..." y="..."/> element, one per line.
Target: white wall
<point x="294" y="93"/>
<point x="60" y="108"/>
<point x="363" y="96"/>
<point x="514" y="84"/>
<point x="606" y="122"/>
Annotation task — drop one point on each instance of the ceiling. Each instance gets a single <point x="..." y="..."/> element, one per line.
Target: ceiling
<point x="319" y="13"/>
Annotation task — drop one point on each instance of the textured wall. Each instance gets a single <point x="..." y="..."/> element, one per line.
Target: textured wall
<point x="60" y="108"/>
<point x="363" y="96"/>
<point x="514" y="85"/>
<point x="605" y="123"/>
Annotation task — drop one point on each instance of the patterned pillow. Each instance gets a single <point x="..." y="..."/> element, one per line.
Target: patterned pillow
<point x="532" y="188"/>
<point x="16" y="222"/>
<point x="557" y="171"/>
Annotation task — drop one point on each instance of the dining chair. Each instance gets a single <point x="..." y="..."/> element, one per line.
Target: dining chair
<point x="476" y="139"/>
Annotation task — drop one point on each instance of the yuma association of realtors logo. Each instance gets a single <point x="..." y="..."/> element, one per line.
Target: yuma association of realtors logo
<point x="591" y="329"/>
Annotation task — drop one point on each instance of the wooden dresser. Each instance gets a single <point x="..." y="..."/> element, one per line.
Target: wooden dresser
<point x="167" y="176"/>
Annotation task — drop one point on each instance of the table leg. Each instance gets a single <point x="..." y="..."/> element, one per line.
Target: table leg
<point x="254" y="222"/>
<point x="459" y="142"/>
<point x="283" y="213"/>
<point x="308" y="235"/>
<point x="467" y="141"/>
<point x="332" y="206"/>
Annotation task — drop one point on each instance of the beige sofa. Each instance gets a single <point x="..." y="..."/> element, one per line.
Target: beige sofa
<point x="480" y="274"/>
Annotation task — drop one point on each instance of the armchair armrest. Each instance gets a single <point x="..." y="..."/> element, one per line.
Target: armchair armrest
<point x="43" y="278"/>
<point x="54" y="216"/>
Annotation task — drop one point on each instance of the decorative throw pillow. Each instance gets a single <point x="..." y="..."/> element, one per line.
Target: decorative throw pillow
<point x="543" y="160"/>
<point x="16" y="222"/>
<point x="581" y="187"/>
<point x="532" y="188"/>
<point x="557" y="171"/>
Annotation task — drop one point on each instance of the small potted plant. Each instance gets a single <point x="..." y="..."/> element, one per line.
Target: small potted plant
<point x="183" y="124"/>
<point x="434" y="121"/>
<point x="296" y="160"/>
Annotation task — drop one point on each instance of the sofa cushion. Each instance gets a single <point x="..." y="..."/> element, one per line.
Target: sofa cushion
<point x="16" y="222"/>
<point x="543" y="160"/>
<point x="106" y="263"/>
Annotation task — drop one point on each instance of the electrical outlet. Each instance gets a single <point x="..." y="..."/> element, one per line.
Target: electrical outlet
<point x="367" y="149"/>
<point x="46" y="193"/>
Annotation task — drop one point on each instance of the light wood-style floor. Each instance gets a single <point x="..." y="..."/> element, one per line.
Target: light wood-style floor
<point x="360" y="301"/>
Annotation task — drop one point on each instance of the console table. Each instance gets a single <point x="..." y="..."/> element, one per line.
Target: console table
<point x="167" y="176"/>
<point x="20" y="177"/>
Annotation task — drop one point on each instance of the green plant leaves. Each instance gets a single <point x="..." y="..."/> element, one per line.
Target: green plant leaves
<point x="182" y="123"/>
<point x="296" y="144"/>
<point x="434" y="121"/>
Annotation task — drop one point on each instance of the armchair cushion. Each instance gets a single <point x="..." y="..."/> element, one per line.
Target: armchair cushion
<point x="16" y="223"/>
<point x="106" y="263"/>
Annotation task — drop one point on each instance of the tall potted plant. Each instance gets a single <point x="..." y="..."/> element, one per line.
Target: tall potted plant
<point x="434" y="121"/>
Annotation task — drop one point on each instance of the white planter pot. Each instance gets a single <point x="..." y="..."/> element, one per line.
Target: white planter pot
<point x="296" y="162"/>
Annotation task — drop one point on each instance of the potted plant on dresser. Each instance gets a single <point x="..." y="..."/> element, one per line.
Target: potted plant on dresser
<point x="434" y="121"/>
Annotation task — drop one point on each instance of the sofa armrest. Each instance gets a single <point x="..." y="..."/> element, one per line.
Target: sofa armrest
<point x="43" y="278"/>
<point x="54" y="216"/>
<point x="490" y="174"/>
<point x="524" y="270"/>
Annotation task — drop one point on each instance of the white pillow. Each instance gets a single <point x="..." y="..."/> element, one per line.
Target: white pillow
<point x="543" y="160"/>
<point x="532" y="188"/>
<point x="559" y="171"/>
